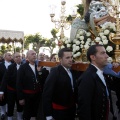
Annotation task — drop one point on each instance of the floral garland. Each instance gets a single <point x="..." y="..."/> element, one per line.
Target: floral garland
<point x="84" y="40"/>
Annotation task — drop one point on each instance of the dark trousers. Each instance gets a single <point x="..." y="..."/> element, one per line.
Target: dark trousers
<point x="66" y="114"/>
<point x="11" y="100"/>
<point x="4" y="101"/>
<point x="40" y="115"/>
<point x="30" y="108"/>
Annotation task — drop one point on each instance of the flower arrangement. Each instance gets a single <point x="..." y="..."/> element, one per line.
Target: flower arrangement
<point x="103" y="37"/>
<point x="84" y="40"/>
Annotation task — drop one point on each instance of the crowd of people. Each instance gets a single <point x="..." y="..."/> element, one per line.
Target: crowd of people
<point x="57" y="93"/>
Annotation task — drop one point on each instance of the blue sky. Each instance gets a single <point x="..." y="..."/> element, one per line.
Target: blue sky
<point x="30" y="16"/>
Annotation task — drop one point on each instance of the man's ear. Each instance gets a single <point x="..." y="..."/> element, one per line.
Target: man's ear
<point x="92" y="57"/>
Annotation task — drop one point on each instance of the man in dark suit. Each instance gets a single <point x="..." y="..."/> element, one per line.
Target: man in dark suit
<point x="9" y="82"/>
<point x="28" y="87"/>
<point x="93" y="95"/>
<point x="3" y="67"/>
<point x="60" y="89"/>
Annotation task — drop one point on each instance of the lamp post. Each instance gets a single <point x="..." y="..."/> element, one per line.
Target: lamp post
<point x="62" y="23"/>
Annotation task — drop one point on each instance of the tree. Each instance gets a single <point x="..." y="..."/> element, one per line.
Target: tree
<point x="3" y="49"/>
<point x="51" y="44"/>
<point x="37" y="40"/>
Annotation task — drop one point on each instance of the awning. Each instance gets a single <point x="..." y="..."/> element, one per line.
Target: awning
<point x="7" y="36"/>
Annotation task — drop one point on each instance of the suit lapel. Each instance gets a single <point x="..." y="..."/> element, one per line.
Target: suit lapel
<point x="64" y="72"/>
<point x="4" y="67"/>
<point x="94" y="71"/>
<point x="31" y="70"/>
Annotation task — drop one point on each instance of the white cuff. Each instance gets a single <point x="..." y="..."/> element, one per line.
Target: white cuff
<point x="49" y="118"/>
<point x="1" y="93"/>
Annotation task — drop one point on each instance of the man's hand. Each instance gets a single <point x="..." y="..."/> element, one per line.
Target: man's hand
<point x="1" y="97"/>
<point x="22" y="102"/>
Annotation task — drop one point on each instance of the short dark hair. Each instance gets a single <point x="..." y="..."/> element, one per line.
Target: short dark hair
<point x="92" y="51"/>
<point x="61" y="52"/>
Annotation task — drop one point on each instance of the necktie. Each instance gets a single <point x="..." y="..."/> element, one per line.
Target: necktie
<point x="71" y="78"/>
<point x="103" y="78"/>
<point x="108" y="102"/>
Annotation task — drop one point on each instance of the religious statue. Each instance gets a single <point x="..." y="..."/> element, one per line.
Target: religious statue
<point x="96" y="15"/>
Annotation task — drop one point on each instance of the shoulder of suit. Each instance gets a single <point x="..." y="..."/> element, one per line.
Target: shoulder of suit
<point x="56" y="68"/>
<point x="24" y="65"/>
<point x="2" y="63"/>
<point x="12" y="65"/>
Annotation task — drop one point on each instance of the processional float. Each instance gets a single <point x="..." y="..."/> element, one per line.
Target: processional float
<point x="106" y="31"/>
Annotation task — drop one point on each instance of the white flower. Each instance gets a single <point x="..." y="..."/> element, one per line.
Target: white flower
<point x="74" y="55"/>
<point x="88" y="34"/>
<point x="105" y="42"/>
<point x="97" y="39"/>
<point x="77" y="48"/>
<point x="110" y="59"/>
<point x="86" y="46"/>
<point x="89" y="39"/>
<point x="101" y="34"/>
<point x="104" y="37"/>
<point x="77" y="42"/>
<point x="74" y="50"/>
<point x="103" y="27"/>
<point x="109" y="48"/>
<point x="68" y="45"/>
<point x="66" y="42"/>
<point x="78" y="54"/>
<point x="82" y="42"/>
<point x="81" y="32"/>
<point x="100" y="43"/>
<point x="81" y="37"/>
<point x="92" y="43"/>
<point x="87" y="43"/>
<point x="77" y="36"/>
<point x="81" y="46"/>
<point x="62" y="46"/>
<point x="74" y="45"/>
<point x="106" y="32"/>
<point x="74" y="40"/>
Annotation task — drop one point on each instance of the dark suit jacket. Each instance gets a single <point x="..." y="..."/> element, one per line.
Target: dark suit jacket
<point x="26" y="80"/>
<point x="10" y="77"/>
<point x="2" y="71"/>
<point x="92" y="96"/>
<point x="58" y="90"/>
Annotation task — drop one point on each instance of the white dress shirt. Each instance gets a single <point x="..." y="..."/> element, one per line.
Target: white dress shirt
<point x="100" y="74"/>
<point x="6" y="65"/>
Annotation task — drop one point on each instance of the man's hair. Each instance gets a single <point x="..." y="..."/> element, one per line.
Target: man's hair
<point x="92" y="51"/>
<point x="61" y="52"/>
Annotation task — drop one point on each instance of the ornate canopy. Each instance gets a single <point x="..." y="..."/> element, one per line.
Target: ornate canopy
<point x="7" y="36"/>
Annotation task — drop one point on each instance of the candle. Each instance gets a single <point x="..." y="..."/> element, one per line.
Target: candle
<point x="117" y="4"/>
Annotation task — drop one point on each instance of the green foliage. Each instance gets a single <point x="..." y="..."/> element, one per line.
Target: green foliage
<point x="69" y="18"/>
<point x="3" y="49"/>
<point x="80" y="9"/>
<point x="18" y="49"/>
<point x="37" y="40"/>
<point x="54" y="32"/>
<point x="9" y="47"/>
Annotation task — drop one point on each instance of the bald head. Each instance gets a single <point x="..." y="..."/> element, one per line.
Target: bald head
<point x="17" y="58"/>
<point x="8" y="56"/>
<point x="31" y="56"/>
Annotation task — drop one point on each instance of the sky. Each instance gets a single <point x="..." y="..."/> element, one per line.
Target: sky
<point x="30" y="16"/>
